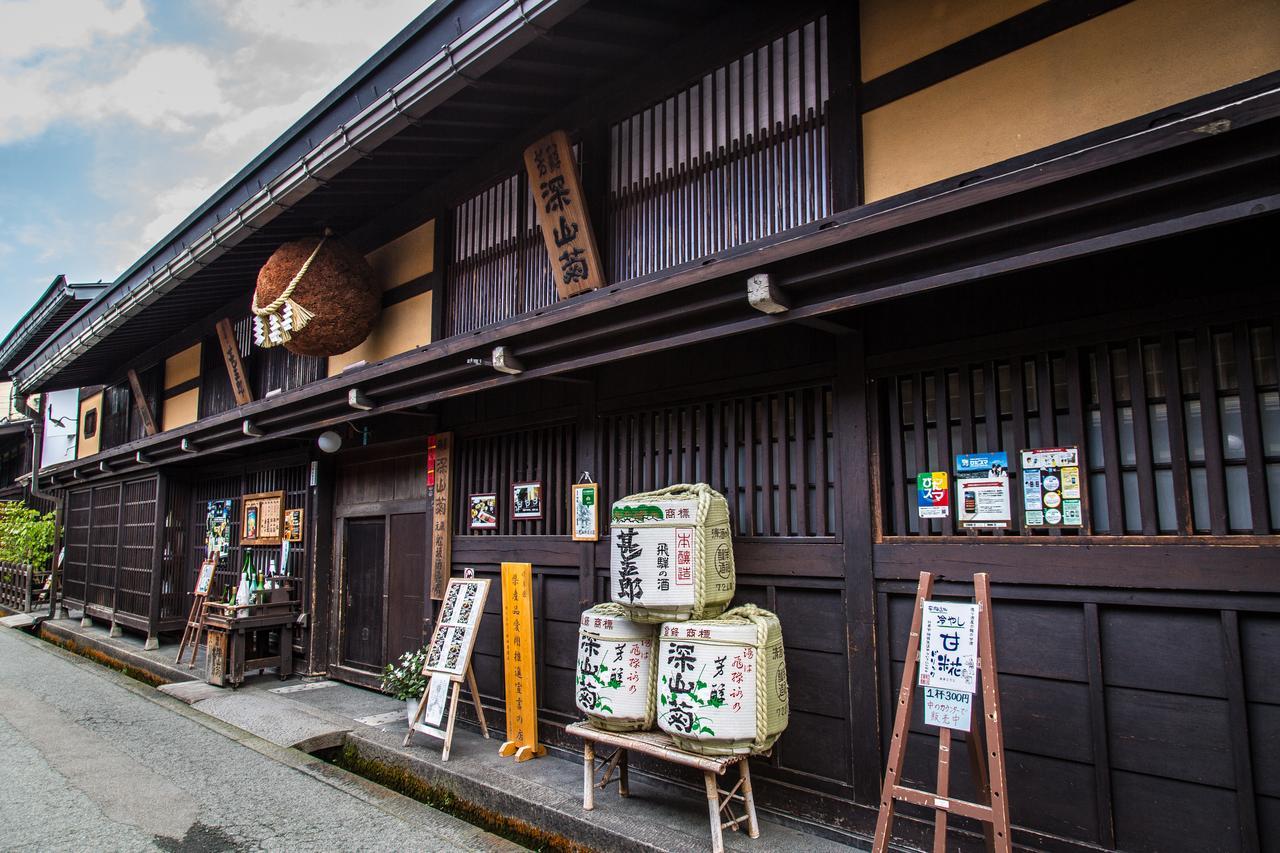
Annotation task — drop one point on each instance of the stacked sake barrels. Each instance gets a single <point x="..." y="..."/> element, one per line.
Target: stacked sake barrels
<point x="717" y="679"/>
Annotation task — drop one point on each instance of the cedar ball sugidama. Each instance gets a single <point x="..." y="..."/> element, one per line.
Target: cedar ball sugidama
<point x="339" y="289"/>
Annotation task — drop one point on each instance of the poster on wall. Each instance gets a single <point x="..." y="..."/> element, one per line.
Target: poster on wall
<point x="484" y="511"/>
<point x="291" y="530"/>
<point x="262" y="517"/>
<point x="455" y="633"/>
<point x="217" y="529"/>
<point x="526" y="501"/>
<point x="933" y="497"/>
<point x="982" y="491"/>
<point x="586" y="512"/>
<point x="1051" y="492"/>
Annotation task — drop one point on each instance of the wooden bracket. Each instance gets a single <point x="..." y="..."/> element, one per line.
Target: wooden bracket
<point x="140" y="402"/>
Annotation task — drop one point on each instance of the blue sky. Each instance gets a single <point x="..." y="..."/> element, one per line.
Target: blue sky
<point x="119" y="117"/>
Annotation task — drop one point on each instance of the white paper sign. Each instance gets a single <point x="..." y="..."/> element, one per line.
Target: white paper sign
<point x="949" y="646"/>
<point x="952" y="709"/>
<point x="437" y="695"/>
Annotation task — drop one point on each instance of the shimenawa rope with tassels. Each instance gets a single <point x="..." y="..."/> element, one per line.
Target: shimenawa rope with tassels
<point x="275" y="324"/>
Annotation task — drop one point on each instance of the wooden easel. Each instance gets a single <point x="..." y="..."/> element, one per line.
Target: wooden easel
<point x="994" y="812"/>
<point x="199" y="611"/>
<point x="446" y="734"/>
<point x="470" y="625"/>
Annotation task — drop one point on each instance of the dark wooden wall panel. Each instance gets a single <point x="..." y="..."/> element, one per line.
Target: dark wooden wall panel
<point x="1159" y="815"/>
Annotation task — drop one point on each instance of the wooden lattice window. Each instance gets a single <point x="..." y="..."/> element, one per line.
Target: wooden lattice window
<point x="770" y="454"/>
<point x="492" y="464"/>
<point x="1180" y="432"/>
<point x="498" y="267"/>
<point x="738" y="155"/>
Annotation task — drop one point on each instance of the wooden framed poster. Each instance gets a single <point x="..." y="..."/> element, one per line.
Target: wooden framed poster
<point x="584" y="508"/>
<point x="483" y="511"/>
<point x="205" y="579"/>
<point x="526" y="501"/>
<point x="261" y="518"/>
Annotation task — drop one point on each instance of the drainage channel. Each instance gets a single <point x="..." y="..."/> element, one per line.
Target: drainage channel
<point x="403" y="781"/>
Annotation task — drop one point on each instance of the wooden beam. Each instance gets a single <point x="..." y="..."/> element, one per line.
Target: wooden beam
<point x="235" y="367"/>
<point x="140" y="402"/>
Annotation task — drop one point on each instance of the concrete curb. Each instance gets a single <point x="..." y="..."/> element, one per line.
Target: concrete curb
<point x="115" y="655"/>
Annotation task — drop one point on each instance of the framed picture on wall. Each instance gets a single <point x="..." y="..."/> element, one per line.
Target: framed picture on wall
<point x="526" y="501"/>
<point x="261" y="518"/>
<point x="483" y="511"/>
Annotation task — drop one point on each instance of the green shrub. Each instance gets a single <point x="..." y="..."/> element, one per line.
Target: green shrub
<point x="404" y="680"/>
<point x="26" y="535"/>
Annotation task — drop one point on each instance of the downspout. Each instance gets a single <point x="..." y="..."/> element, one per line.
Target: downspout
<point x="37" y="457"/>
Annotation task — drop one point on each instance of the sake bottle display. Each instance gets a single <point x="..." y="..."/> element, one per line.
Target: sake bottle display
<point x="614" y="684"/>
<point x="722" y="683"/>
<point x="671" y="557"/>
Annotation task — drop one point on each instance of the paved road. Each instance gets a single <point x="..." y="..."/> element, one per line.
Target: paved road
<point x="92" y="760"/>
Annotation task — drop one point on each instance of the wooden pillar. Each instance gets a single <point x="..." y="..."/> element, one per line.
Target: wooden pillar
<point x="844" y="119"/>
<point x="851" y="414"/>
<point x="322" y="565"/>
<point x="157" y="561"/>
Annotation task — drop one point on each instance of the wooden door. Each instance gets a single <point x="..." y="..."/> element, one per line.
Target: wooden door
<point x="363" y="582"/>
<point x="406" y="583"/>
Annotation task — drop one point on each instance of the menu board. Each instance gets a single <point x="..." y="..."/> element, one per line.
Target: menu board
<point x="1052" y="495"/>
<point x="455" y="632"/>
<point x="261" y="518"/>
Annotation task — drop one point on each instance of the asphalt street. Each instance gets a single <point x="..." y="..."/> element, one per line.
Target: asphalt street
<point x="93" y="760"/>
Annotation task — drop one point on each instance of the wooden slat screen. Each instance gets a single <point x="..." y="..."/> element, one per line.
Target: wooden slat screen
<point x="493" y="463"/>
<point x="1180" y="431"/>
<point x="770" y="454"/>
<point x="498" y="267"/>
<point x="137" y="546"/>
<point x="738" y="155"/>
<point x="104" y="540"/>
<point x="76" y="562"/>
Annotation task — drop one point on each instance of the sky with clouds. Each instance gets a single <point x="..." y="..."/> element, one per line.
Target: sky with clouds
<point x="119" y="117"/>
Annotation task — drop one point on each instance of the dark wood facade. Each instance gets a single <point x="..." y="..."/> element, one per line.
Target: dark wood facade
<point x="1100" y="291"/>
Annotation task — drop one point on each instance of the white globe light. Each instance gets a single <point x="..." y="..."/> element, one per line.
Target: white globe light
<point x="329" y="441"/>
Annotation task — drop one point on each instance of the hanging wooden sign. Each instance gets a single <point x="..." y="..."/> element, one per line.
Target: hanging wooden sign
<point x="449" y="658"/>
<point x="563" y="215"/>
<point x="261" y="518"/>
<point x="235" y="367"/>
<point x="518" y="663"/>
<point x="439" y="453"/>
<point x="957" y="651"/>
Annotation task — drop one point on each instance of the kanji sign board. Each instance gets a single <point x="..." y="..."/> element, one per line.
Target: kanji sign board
<point x="949" y="646"/>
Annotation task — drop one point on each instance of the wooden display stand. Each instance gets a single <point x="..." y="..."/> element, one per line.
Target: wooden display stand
<point x="994" y="812"/>
<point x="660" y="745"/>
<point x="446" y="734"/>
<point x="229" y="627"/>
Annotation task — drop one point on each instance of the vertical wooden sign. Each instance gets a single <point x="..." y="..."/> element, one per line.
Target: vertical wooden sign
<point x="235" y="367"/>
<point x="439" y="455"/>
<point x="562" y="213"/>
<point x="140" y="403"/>
<point x="517" y="646"/>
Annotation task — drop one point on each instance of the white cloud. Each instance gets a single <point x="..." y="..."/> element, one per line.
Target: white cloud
<point x="35" y="26"/>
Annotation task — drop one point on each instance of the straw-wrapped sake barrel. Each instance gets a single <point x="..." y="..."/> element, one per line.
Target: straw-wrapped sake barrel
<point x="615" y="670"/>
<point x="722" y="683"/>
<point x="671" y="557"/>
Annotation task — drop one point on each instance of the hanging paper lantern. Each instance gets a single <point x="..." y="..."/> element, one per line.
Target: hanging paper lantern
<point x="614" y="684"/>
<point x="315" y="296"/>
<point x="722" y="683"/>
<point x="671" y="557"/>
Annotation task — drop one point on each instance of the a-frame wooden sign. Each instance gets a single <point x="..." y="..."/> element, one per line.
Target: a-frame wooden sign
<point x="987" y="760"/>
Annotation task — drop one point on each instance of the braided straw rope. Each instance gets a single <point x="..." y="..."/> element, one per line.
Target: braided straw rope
<point x="756" y="616"/>
<point x="299" y="316"/>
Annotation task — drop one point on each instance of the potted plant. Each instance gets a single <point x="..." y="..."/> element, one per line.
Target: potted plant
<point x="404" y="680"/>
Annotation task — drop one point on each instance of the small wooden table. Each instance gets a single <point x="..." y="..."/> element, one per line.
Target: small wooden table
<point x="235" y="631"/>
<point x="660" y="745"/>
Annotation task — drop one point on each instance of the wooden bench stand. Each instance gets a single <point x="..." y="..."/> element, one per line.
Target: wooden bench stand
<point x="660" y="745"/>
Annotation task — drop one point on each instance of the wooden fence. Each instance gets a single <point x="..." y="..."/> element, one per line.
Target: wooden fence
<point x="22" y="588"/>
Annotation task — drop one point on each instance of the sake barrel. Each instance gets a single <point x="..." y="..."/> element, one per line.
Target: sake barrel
<point x="615" y="670"/>
<point x="722" y="683"/>
<point x="671" y="557"/>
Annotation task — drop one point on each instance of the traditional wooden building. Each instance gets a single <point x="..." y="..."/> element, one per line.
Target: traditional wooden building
<point x="983" y="227"/>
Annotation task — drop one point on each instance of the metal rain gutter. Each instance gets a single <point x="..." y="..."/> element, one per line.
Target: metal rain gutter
<point x="511" y="26"/>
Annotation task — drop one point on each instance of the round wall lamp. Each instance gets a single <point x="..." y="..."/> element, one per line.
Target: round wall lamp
<point x="329" y="441"/>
